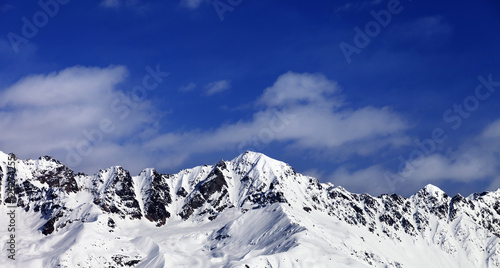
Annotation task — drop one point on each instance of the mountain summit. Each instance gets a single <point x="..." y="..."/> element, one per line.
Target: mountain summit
<point x="252" y="211"/>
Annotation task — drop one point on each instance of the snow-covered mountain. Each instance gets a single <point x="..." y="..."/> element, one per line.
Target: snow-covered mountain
<point x="252" y="211"/>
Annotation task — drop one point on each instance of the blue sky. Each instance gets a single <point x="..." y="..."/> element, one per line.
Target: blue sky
<point x="376" y="96"/>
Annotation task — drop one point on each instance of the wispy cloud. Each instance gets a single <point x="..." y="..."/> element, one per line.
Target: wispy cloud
<point x="428" y="31"/>
<point x="6" y="8"/>
<point x="370" y="179"/>
<point x="301" y="110"/>
<point x="63" y="111"/>
<point x="191" y="4"/>
<point x="475" y="160"/>
<point x="137" y="5"/>
<point x="188" y="87"/>
<point x="217" y="87"/>
<point x="357" y="5"/>
<point x="8" y="54"/>
<point x="111" y="3"/>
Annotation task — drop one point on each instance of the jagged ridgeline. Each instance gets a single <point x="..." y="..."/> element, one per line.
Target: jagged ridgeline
<point x="252" y="211"/>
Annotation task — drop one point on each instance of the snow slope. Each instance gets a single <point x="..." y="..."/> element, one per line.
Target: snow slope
<point x="252" y="211"/>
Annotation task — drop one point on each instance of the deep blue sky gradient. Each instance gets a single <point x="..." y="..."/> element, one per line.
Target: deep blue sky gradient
<point x="416" y="70"/>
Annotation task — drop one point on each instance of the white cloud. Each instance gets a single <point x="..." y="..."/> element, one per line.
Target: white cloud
<point x="55" y="113"/>
<point x="217" y="87"/>
<point x="370" y="179"/>
<point x="440" y="167"/>
<point x="377" y="179"/>
<point x="307" y="120"/>
<point x="474" y="160"/>
<point x="291" y="89"/>
<point x="492" y="132"/>
<point x="66" y="88"/>
<point x="51" y="114"/>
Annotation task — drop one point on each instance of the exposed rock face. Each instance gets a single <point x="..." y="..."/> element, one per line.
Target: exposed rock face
<point x="249" y="181"/>
<point x="58" y="175"/>
<point x="212" y="191"/>
<point x="157" y="198"/>
<point x="116" y="194"/>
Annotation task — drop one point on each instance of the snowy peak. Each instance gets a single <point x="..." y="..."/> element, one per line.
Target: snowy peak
<point x="253" y="204"/>
<point x="434" y="200"/>
<point x="433" y="191"/>
<point x="250" y="157"/>
<point x="257" y="164"/>
<point x="3" y="157"/>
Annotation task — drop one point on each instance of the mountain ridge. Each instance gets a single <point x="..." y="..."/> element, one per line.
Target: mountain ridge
<point x="254" y="209"/>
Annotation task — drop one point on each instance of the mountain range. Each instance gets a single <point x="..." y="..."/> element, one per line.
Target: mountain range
<point x="251" y="211"/>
